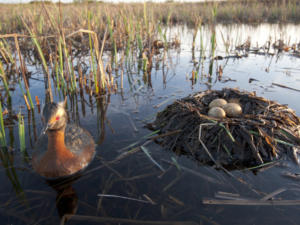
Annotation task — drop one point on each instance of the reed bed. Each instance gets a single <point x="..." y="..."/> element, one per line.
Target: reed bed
<point x="60" y="38"/>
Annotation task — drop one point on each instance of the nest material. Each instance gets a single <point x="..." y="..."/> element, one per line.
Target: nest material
<point x="266" y="130"/>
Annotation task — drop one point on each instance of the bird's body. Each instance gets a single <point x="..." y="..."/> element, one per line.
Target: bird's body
<point x="64" y="149"/>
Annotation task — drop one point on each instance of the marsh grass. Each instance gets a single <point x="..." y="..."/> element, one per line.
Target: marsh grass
<point x="246" y="11"/>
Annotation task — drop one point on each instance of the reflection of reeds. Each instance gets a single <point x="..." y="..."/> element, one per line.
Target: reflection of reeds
<point x="7" y="163"/>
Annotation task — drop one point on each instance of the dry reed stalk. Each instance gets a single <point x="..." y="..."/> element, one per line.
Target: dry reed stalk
<point x="100" y="70"/>
<point x="5" y="52"/>
<point x="26" y="102"/>
<point x="103" y="77"/>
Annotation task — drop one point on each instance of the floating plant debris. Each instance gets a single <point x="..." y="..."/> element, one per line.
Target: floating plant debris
<point x="264" y="132"/>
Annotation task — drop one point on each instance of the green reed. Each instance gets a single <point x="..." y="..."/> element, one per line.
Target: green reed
<point x="213" y="43"/>
<point x="40" y="24"/>
<point x="30" y="99"/>
<point x="113" y="40"/>
<point x="2" y="130"/>
<point x="21" y="127"/>
<point x="162" y="34"/>
<point x="44" y="63"/>
<point x="23" y="71"/>
<point x="73" y="76"/>
<point x="56" y="70"/>
<point x="94" y="69"/>
<point x="38" y="46"/>
<point x="139" y="40"/>
<point x="61" y="65"/>
<point x="72" y="81"/>
<point x="213" y="33"/>
<point x="129" y="31"/>
<point x="202" y="48"/>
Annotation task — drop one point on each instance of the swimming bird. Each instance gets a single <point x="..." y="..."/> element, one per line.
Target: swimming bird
<point x="63" y="149"/>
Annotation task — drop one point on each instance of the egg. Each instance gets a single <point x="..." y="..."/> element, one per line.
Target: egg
<point x="217" y="112"/>
<point x="232" y="109"/>
<point x="218" y="102"/>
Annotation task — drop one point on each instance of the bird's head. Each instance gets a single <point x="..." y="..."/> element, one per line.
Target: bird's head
<point x="54" y="116"/>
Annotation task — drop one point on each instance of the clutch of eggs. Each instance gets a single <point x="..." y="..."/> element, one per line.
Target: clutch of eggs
<point x="219" y="108"/>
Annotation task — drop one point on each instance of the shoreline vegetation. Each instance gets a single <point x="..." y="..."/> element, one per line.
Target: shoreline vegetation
<point x="231" y="11"/>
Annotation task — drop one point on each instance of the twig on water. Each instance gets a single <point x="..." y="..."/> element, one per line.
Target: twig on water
<point x="283" y="86"/>
<point x="248" y="202"/>
<point x="124" y="197"/>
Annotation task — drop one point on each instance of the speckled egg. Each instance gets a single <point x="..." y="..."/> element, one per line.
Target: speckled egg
<point x="217" y="112"/>
<point x="218" y="102"/>
<point x="232" y="109"/>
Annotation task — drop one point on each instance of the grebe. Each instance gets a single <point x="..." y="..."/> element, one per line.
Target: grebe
<point x="62" y="149"/>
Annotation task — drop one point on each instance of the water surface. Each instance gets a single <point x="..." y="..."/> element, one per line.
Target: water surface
<point x="118" y="120"/>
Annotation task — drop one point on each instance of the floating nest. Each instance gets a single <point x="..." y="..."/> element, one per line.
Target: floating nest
<point x="264" y="132"/>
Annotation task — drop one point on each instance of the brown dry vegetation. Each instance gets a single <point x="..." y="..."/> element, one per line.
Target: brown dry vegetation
<point x="74" y="15"/>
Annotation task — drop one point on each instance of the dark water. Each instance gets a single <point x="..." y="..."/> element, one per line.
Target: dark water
<point x="158" y="195"/>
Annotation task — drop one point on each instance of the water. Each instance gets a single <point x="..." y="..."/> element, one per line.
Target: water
<point x="118" y="120"/>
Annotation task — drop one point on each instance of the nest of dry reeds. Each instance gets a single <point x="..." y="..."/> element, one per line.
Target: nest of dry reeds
<point x="266" y="131"/>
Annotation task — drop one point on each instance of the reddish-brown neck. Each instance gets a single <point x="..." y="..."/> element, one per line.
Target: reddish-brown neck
<point x="56" y="143"/>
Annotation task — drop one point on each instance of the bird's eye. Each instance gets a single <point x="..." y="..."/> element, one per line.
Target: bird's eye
<point x="57" y="118"/>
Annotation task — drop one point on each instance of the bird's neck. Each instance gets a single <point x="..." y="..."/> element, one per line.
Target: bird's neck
<point x="56" y="143"/>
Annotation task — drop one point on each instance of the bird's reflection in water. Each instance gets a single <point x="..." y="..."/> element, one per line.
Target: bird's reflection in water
<point x="66" y="198"/>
